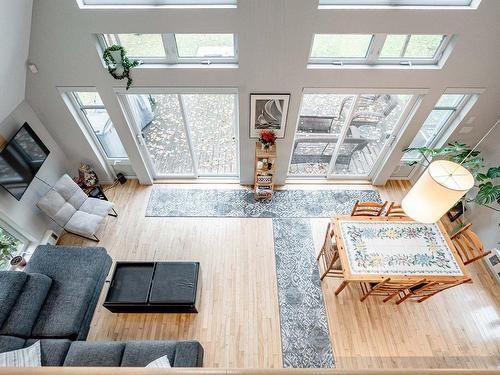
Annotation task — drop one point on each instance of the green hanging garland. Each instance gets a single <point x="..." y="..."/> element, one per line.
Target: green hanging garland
<point x="125" y="62"/>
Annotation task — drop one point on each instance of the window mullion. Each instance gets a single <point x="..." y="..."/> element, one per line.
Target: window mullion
<point x="375" y="48"/>
<point x="170" y="46"/>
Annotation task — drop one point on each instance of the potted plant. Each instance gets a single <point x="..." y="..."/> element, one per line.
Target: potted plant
<point x="18" y="261"/>
<point x="267" y="138"/>
<point x="118" y="63"/>
<point x="487" y="189"/>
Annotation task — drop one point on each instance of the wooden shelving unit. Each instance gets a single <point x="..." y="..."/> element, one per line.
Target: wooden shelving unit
<point x="265" y="167"/>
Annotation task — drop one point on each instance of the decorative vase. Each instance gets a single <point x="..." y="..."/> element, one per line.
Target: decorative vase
<point x="18" y="261"/>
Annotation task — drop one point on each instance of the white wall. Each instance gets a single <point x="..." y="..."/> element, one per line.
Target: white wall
<point x="15" y="21"/>
<point x="274" y="38"/>
<point x="23" y="215"/>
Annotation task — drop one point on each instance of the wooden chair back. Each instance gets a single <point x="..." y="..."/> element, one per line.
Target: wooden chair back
<point x="395" y="210"/>
<point x="329" y="256"/>
<point x="387" y="288"/>
<point x="469" y="245"/>
<point x="368" y="208"/>
<point x="427" y="290"/>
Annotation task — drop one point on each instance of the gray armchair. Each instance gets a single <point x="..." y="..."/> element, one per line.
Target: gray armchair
<point x="70" y="208"/>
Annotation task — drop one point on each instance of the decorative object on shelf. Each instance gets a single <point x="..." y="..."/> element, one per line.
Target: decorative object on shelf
<point x="118" y="63"/>
<point x="18" y="261"/>
<point x="265" y="161"/>
<point x="448" y="180"/>
<point x="86" y="176"/>
<point x="267" y="139"/>
<point x="268" y="112"/>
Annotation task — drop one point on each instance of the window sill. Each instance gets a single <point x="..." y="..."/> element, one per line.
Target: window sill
<point x="373" y="67"/>
<point x="187" y="66"/>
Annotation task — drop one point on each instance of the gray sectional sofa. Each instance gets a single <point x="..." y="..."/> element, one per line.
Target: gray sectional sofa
<point x="54" y="300"/>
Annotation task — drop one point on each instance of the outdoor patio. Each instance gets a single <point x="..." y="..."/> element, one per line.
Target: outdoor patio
<point x="210" y="121"/>
<point x="322" y="122"/>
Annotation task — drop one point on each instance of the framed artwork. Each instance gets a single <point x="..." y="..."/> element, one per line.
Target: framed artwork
<point x="268" y="112"/>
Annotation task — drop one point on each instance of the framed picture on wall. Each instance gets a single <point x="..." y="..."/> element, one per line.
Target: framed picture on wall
<point x="268" y="112"/>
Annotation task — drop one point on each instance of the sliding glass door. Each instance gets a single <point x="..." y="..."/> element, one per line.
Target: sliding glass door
<point x="347" y="135"/>
<point x="185" y="133"/>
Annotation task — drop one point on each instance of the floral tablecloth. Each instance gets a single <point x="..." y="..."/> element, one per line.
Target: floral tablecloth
<point x="397" y="248"/>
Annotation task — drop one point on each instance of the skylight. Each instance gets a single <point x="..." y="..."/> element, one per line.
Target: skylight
<point x="152" y="3"/>
<point x="403" y="3"/>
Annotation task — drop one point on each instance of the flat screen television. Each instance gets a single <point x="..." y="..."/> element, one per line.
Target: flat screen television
<point x="20" y="161"/>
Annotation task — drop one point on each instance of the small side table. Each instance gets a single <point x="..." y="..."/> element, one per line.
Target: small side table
<point x="96" y="192"/>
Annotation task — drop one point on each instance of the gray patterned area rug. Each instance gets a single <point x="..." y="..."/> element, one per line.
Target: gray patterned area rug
<point x="241" y="203"/>
<point x="305" y="338"/>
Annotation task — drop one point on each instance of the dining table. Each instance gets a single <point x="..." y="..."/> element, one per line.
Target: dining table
<point x="372" y="249"/>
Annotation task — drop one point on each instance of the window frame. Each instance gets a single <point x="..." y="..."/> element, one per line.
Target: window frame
<point x="447" y="127"/>
<point x="79" y="108"/>
<point x="172" y="55"/>
<point x="374" y="50"/>
<point x="106" y="4"/>
<point x="386" y="4"/>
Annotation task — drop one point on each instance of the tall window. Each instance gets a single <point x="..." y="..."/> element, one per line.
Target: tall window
<point x="11" y="244"/>
<point x="97" y="121"/>
<point x="347" y="134"/>
<point x="403" y="3"/>
<point x="176" y="48"/>
<point x="378" y="49"/>
<point x="438" y="121"/>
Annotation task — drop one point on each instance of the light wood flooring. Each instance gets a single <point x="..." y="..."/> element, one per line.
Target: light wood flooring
<point x="238" y="323"/>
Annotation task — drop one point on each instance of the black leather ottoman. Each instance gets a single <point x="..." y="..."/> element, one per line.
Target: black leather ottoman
<point x="169" y="287"/>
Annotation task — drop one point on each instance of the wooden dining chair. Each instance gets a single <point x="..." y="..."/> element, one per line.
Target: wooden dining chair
<point x="427" y="290"/>
<point x="329" y="256"/>
<point x="395" y="210"/>
<point x="469" y="245"/>
<point x="387" y="288"/>
<point x="368" y="208"/>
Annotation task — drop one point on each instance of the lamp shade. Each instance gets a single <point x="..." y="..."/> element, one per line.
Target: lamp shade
<point x="439" y="188"/>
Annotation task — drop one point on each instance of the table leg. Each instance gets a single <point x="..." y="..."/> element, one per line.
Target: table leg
<point x="341" y="287"/>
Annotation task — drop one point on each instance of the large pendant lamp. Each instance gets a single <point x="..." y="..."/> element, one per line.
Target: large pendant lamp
<point x="439" y="188"/>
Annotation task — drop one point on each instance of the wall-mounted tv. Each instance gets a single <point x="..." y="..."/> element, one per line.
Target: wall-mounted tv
<point x="20" y="161"/>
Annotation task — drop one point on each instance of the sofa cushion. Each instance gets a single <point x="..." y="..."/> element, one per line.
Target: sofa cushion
<point x="97" y="207"/>
<point x="23" y="315"/>
<point x="94" y="353"/>
<point x="70" y="191"/>
<point x="188" y="354"/>
<point x="77" y="277"/>
<point x="9" y="343"/>
<point x="11" y="285"/>
<point x="53" y="351"/>
<point x="141" y="353"/>
<point x="56" y="207"/>
<point x="83" y="223"/>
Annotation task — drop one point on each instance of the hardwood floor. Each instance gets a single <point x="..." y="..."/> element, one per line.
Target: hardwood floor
<point x="238" y="323"/>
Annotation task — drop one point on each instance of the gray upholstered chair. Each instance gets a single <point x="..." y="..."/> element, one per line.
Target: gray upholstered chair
<point x="70" y="208"/>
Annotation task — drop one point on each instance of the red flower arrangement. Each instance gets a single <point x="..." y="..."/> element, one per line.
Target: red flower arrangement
<point x="267" y="138"/>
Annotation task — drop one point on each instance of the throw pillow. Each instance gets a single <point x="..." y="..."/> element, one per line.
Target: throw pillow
<point x="161" y="362"/>
<point x="26" y="357"/>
